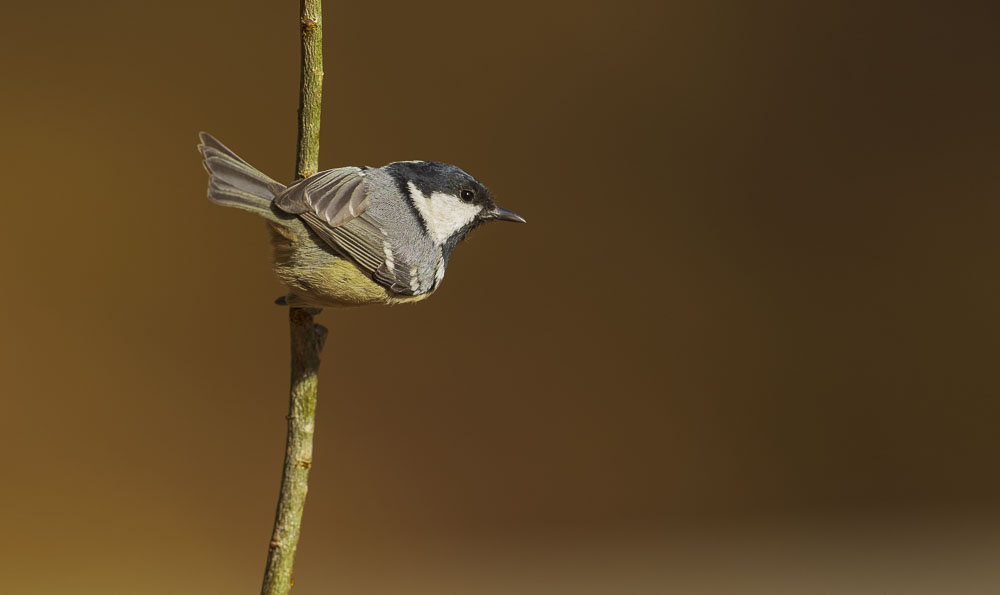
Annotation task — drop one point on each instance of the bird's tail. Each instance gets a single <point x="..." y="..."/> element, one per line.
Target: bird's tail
<point x="235" y="183"/>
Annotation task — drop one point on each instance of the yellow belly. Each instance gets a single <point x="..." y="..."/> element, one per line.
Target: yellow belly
<point x="315" y="277"/>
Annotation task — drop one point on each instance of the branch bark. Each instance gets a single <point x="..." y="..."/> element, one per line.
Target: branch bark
<point x="307" y="337"/>
<point x="311" y="88"/>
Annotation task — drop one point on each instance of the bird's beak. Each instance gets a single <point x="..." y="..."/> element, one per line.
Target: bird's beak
<point x="504" y="215"/>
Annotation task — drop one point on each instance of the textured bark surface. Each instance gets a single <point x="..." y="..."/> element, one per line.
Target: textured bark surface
<point x="307" y="337"/>
<point x="311" y="89"/>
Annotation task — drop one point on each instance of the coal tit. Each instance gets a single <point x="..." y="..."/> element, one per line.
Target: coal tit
<point x="357" y="235"/>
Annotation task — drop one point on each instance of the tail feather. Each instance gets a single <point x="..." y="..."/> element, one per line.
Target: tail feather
<point x="234" y="182"/>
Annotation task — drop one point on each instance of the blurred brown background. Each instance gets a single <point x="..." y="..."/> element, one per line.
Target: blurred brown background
<point x="746" y="343"/>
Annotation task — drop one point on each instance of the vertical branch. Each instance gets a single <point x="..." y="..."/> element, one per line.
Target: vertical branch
<point x="307" y="338"/>
<point x="311" y="91"/>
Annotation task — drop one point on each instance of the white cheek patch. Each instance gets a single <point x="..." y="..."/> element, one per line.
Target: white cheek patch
<point x="444" y="214"/>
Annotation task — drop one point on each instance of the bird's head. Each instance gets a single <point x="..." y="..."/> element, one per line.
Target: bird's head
<point x="449" y="201"/>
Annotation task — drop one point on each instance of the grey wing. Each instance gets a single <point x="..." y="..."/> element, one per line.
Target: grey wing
<point x="364" y="241"/>
<point x="334" y="204"/>
<point x="335" y="196"/>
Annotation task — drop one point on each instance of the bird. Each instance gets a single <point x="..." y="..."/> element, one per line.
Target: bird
<point x="359" y="235"/>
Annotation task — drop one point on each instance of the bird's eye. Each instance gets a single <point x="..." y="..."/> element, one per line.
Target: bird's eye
<point x="468" y="195"/>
